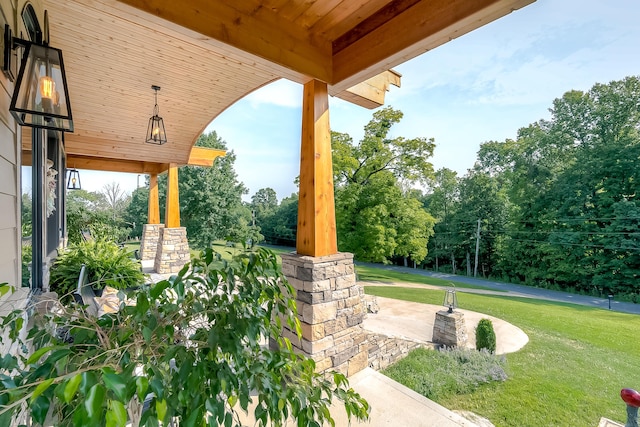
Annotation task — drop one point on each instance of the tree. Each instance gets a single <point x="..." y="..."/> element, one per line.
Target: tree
<point x="441" y="202"/>
<point x="377" y="219"/>
<point x="115" y="198"/>
<point x="279" y="225"/>
<point x="481" y="198"/>
<point x="89" y="211"/>
<point x="264" y="200"/>
<point x="405" y="159"/>
<point x="572" y="183"/>
<point x="137" y="211"/>
<point x="211" y="200"/>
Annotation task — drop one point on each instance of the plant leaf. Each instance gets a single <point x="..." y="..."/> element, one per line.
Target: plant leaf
<point x="142" y="385"/>
<point x="72" y="387"/>
<point x="39" y="353"/>
<point x="161" y="409"/>
<point x="117" y="414"/>
<point x="39" y="409"/>
<point x="116" y="384"/>
<point x="94" y="400"/>
<point x="41" y="389"/>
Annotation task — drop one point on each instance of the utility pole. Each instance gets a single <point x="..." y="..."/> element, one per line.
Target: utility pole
<point x="475" y="268"/>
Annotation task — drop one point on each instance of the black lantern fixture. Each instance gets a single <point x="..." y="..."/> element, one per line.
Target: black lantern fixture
<point x="155" y="131"/>
<point x="450" y="299"/>
<point x="41" y="95"/>
<point x="73" y="179"/>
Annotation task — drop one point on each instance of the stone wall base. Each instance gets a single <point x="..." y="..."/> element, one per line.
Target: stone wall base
<point x="173" y="250"/>
<point x="449" y="329"/>
<point x="149" y="242"/>
<point x="385" y="351"/>
<point x="331" y="310"/>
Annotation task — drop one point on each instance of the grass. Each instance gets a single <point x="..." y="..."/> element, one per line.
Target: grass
<point x="374" y="274"/>
<point x="569" y="374"/>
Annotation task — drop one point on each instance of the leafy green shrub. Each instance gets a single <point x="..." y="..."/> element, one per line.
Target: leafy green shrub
<point x="27" y="256"/>
<point x="191" y="346"/>
<point x="107" y="264"/>
<point x="485" y="336"/>
<point x="105" y="231"/>
<point x="447" y="372"/>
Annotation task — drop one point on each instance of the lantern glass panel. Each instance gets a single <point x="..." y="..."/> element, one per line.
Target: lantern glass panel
<point x="41" y="98"/>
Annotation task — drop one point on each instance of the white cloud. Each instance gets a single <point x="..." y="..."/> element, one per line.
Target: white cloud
<point x="281" y="92"/>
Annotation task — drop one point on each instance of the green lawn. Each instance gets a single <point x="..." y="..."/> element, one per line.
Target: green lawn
<point x="569" y="374"/>
<point x="374" y="274"/>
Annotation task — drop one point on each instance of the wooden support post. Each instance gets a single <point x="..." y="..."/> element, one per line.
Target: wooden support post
<point x="153" y="215"/>
<point x="172" y="212"/>
<point x="316" y="206"/>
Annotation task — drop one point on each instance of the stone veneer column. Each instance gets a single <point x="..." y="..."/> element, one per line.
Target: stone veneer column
<point x="173" y="250"/>
<point x="149" y="242"/>
<point x="331" y="311"/>
<point x="449" y="329"/>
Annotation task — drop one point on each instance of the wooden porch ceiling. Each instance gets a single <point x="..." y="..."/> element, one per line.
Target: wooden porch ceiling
<point x="207" y="54"/>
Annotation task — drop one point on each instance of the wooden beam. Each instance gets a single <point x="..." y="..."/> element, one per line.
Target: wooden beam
<point x="114" y="165"/>
<point x="153" y="213"/>
<point x="316" y="234"/>
<point x="269" y="36"/>
<point x="370" y="24"/>
<point x="172" y="211"/>
<point x="202" y="156"/>
<point x="371" y="93"/>
<point x="409" y="33"/>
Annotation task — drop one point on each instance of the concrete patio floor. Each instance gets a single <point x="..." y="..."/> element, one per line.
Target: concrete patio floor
<point x="412" y="320"/>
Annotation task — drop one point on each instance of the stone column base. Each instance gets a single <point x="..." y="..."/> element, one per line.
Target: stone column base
<point x="149" y="242"/>
<point x="331" y="311"/>
<point x="449" y="329"/>
<point x="173" y="250"/>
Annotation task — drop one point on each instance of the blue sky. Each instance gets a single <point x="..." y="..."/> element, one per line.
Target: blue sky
<point x="482" y="86"/>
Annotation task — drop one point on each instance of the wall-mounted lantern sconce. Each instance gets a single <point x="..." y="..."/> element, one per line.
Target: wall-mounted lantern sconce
<point x="155" y="131"/>
<point x="41" y="96"/>
<point x="450" y="299"/>
<point x="73" y="179"/>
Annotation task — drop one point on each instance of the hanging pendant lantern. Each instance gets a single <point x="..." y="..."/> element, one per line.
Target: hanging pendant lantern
<point x="155" y="131"/>
<point x="73" y="180"/>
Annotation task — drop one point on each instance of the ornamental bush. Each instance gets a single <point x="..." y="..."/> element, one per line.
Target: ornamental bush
<point x="485" y="336"/>
<point x="188" y="351"/>
<point x="106" y="263"/>
<point x="447" y="372"/>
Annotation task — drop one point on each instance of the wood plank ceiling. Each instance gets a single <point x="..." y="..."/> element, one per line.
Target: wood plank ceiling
<point x="207" y="54"/>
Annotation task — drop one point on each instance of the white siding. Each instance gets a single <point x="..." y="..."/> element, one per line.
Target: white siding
<point x="9" y="176"/>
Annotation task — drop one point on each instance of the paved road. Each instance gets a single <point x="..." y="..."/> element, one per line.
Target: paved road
<point x="509" y="289"/>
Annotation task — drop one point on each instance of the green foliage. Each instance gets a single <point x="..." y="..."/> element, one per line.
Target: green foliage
<point x="136" y="212"/>
<point x="543" y="388"/>
<point x="27" y="256"/>
<point x="106" y="263"/>
<point x="485" y="336"/>
<point x="280" y="223"/>
<point x="448" y="372"/>
<point x="376" y="218"/>
<point x="91" y="211"/>
<point x="26" y="209"/>
<point x="191" y="346"/>
<point x="558" y="204"/>
<point x="211" y="205"/>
